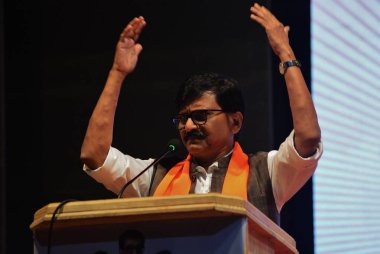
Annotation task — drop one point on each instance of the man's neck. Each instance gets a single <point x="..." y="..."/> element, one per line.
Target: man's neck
<point x="206" y="163"/>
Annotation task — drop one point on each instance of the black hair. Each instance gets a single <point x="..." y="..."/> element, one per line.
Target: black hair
<point x="227" y="92"/>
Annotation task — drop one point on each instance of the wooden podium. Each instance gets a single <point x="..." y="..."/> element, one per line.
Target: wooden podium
<point x="197" y="223"/>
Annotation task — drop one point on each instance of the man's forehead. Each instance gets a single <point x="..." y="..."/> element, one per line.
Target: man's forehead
<point x="206" y="100"/>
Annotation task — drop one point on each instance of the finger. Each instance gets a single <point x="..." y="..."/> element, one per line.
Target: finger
<point x="269" y="15"/>
<point x="130" y="30"/>
<point x="122" y="35"/>
<point x="287" y="29"/>
<point x="127" y="32"/>
<point x="263" y="12"/>
<point x="138" y="48"/>
<point x="139" y="27"/>
<point x="256" y="14"/>
<point x="260" y="9"/>
<point x="134" y="28"/>
<point x="257" y="10"/>
<point x="128" y="42"/>
<point x="258" y="19"/>
<point x="134" y="22"/>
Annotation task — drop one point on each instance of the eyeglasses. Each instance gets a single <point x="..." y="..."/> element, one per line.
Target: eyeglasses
<point x="199" y="117"/>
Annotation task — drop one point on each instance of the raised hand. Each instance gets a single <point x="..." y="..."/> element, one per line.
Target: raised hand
<point x="276" y="32"/>
<point x="127" y="48"/>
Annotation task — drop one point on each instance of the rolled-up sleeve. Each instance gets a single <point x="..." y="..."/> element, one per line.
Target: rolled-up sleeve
<point x="289" y="171"/>
<point x="118" y="169"/>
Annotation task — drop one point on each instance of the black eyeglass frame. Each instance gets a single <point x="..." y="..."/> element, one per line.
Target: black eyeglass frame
<point x="203" y="113"/>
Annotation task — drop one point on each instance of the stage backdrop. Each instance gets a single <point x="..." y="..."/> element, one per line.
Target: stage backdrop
<point x="346" y="91"/>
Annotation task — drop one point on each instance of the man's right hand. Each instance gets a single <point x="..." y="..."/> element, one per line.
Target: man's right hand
<point x="127" y="49"/>
<point x="98" y="139"/>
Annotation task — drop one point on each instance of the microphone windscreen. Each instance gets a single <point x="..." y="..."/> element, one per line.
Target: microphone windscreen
<point x="174" y="144"/>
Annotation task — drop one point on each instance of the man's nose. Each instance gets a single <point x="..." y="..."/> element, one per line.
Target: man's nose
<point x="190" y="125"/>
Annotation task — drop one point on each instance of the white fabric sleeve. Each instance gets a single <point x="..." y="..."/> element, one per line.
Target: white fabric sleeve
<point x="289" y="171"/>
<point x="118" y="169"/>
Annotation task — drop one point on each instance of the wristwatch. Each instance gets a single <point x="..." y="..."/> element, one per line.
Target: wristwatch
<point x="285" y="65"/>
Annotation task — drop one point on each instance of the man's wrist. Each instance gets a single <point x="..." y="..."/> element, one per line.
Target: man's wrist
<point x="118" y="75"/>
<point x="286" y="55"/>
<point x="291" y="63"/>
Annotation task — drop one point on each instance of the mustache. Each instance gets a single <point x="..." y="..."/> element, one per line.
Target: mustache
<point x="195" y="134"/>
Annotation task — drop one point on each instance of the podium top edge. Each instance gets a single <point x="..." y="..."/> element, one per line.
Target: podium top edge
<point x="128" y="205"/>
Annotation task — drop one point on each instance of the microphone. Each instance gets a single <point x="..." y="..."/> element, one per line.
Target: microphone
<point x="173" y="146"/>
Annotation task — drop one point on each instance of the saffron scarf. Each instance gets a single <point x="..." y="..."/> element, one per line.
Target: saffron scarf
<point x="177" y="180"/>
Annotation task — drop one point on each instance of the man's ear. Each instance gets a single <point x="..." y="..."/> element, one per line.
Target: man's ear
<point x="237" y="121"/>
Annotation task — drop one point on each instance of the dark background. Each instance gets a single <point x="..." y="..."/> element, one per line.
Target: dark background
<point x="55" y="57"/>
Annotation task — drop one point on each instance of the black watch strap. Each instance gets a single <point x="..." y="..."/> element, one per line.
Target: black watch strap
<point x="285" y="65"/>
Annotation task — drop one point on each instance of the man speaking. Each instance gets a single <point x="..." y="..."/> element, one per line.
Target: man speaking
<point x="210" y="113"/>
